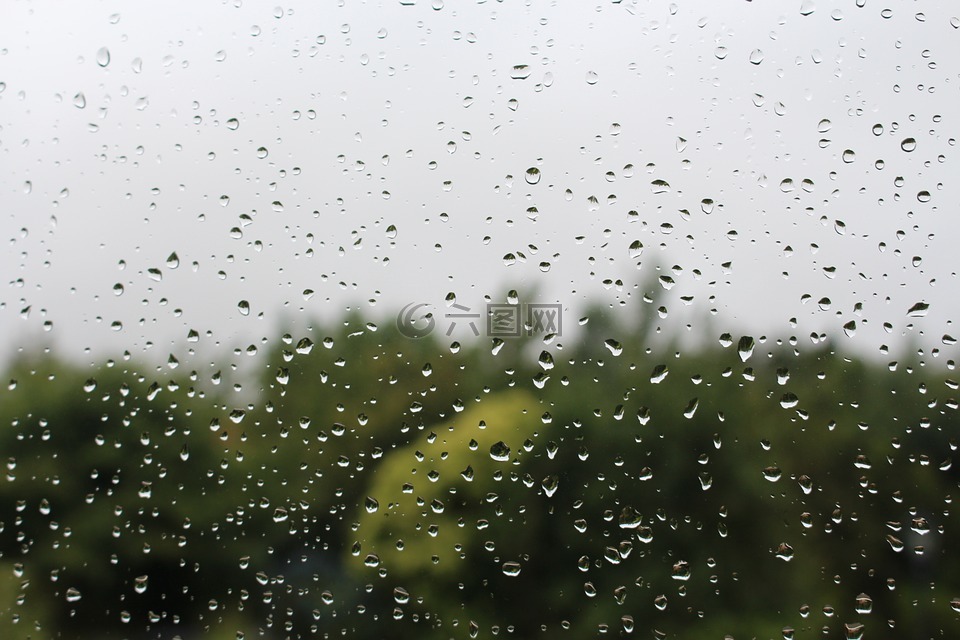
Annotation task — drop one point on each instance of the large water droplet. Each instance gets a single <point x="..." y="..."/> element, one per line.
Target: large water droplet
<point x="500" y="451"/>
<point x="520" y="72"/>
<point x="103" y="56"/>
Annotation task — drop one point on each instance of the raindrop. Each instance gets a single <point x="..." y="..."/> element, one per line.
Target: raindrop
<point x="244" y="307"/>
<point x="532" y="175"/>
<point x="756" y="56"/>
<point x="772" y="474"/>
<point x="103" y="56"/>
<point x="550" y="485"/>
<point x="908" y="144"/>
<point x="500" y="451"/>
<point x="511" y="569"/>
<point x="79" y="100"/>
<point x="233" y="124"/>
<point x="918" y="310"/>
<point x="660" y="186"/>
<point x="592" y="77"/>
<point x="520" y="72"/>
<point x="784" y="551"/>
<point x="613" y="346"/>
<point x="659" y="373"/>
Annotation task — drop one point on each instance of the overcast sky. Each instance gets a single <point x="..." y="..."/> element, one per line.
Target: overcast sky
<point x="767" y="157"/>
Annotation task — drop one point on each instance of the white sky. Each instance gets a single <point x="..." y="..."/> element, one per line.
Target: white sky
<point x="331" y="92"/>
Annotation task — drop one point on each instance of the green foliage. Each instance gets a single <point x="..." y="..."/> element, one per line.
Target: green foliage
<point x="361" y="485"/>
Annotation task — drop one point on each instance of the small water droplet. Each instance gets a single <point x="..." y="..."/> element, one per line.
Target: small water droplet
<point x="103" y="56"/>
<point x="73" y="594"/>
<point x="592" y="77"/>
<point x="511" y="569"/>
<point x="532" y="175"/>
<point x="233" y="124"/>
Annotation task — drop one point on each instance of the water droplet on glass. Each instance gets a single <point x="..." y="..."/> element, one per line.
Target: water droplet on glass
<point x="103" y="56"/>
<point x="140" y="584"/>
<point x="918" y="310"/>
<point x="79" y="100"/>
<point x="745" y="348"/>
<point x="500" y="451"/>
<point x="511" y="569"/>
<point x="233" y="124"/>
<point x="550" y="485"/>
<point x="73" y="594"/>
<point x="772" y="474"/>
<point x="659" y="373"/>
<point x="613" y="346"/>
<point x="371" y="504"/>
<point x="756" y="56"/>
<point x="244" y="307"/>
<point x="532" y="175"/>
<point x="520" y="72"/>
<point x="784" y="552"/>
<point x="807" y="7"/>
<point x="592" y="77"/>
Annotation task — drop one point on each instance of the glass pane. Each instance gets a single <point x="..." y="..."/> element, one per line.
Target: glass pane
<point x="423" y="319"/>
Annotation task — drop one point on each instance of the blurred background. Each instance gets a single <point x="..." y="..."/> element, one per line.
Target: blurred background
<point x="226" y="224"/>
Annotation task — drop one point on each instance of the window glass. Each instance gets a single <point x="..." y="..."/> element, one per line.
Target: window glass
<point x="429" y="319"/>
